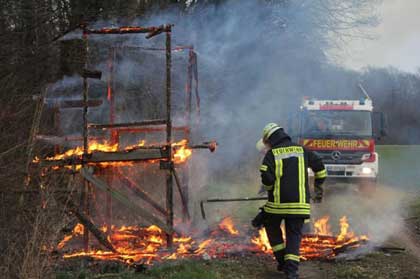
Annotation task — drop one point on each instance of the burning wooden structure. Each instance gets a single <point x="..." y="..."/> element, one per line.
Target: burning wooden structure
<point x="102" y="155"/>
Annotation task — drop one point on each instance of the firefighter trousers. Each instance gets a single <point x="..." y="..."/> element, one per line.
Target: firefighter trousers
<point x="287" y="255"/>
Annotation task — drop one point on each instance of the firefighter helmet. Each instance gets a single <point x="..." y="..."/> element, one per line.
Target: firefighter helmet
<point x="269" y="129"/>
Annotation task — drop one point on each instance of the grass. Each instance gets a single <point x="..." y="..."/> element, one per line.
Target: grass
<point x="378" y="266"/>
<point x="188" y="269"/>
<point x="399" y="166"/>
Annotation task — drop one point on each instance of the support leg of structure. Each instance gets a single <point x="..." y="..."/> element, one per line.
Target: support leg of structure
<point x="108" y="206"/>
<point x="185" y="212"/>
<point x="169" y="182"/>
<point x="86" y="210"/>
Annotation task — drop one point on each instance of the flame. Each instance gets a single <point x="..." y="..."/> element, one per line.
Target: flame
<point x="322" y="227"/>
<point x="262" y="241"/>
<point x="344" y="230"/>
<point x="148" y="244"/>
<point x="227" y="225"/>
<point x="77" y="230"/>
<point x="180" y="155"/>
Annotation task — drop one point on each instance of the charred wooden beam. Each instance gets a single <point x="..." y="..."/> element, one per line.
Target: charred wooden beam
<point x="124" y="125"/>
<point x="139" y="192"/>
<point x="134" y="155"/>
<point x="184" y="201"/>
<point x="139" y="154"/>
<point x="62" y="140"/>
<point x="134" y="47"/>
<point x="89" y="225"/>
<point x="88" y="73"/>
<point x="87" y="174"/>
<point x="347" y="246"/>
<point x="150" y="129"/>
<point x="212" y="145"/>
<point x="387" y="249"/>
<point x="318" y="236"/>
<point x="169" y="180"/>
<point x="152" y="31"/>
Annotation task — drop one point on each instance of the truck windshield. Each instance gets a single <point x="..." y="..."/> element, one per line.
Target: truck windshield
<point x="334" y="123"/>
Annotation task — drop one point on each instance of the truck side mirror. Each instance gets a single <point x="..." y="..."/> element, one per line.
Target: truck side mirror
<point x="379" y="124"/>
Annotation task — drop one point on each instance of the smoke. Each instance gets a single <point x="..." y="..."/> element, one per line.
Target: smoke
<point x="377" y="214"/>
<point x="256" y="61"/>
<point x="255" y="64"/>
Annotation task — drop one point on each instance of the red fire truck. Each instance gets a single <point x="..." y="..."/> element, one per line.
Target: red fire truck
<point x="343" y="134"/>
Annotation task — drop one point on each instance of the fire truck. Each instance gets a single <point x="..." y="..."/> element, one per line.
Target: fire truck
<point x="343" y="134"/>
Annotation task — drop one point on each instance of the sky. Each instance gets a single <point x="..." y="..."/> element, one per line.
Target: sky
<point x="396" y="43"/>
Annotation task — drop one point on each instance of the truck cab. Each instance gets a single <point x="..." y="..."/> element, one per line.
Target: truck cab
<point x="341" y="132"/>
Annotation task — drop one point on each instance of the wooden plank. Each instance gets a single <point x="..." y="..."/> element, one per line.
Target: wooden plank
<point x="124" y="200"/>
<point x="133" y="124"/>
<point x="184" y="201"/>
<point x="88" y="224"/>
<point x="139" y="192"/>
<point x="133" y="155"/>
<point x="138" y="154"/>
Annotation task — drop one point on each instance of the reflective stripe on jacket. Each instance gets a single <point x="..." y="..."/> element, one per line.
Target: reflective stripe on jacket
<point x="284" y="174"/>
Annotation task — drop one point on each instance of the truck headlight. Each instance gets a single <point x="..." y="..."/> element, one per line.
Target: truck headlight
<point x="366" y="170"/>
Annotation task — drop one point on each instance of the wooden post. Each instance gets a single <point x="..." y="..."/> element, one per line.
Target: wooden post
<point x="113" y="135"/>
<point x="85" y="200"/>
<point x="169" y="181"/>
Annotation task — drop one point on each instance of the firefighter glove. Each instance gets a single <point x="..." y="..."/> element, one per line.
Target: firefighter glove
<point x="317" y="199"/>
<point x="258" y="221"/>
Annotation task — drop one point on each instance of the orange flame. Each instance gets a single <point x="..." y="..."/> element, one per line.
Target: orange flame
<point x="180" y="155"/>
<point x="77" y="230"/>
<point x="227" y="225"/>
<point x="262" y="241"/>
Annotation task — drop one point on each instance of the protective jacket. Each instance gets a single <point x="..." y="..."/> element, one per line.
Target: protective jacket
<point x="284" y="174"/>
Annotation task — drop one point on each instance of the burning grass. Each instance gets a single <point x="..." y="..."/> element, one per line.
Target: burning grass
<point x="147" y="245"/>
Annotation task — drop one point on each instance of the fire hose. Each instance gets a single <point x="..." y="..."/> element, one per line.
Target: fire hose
<point x="203" y="213"/>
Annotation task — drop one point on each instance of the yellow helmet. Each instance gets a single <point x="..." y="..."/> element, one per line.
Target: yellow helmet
<point x="268" y="130"/>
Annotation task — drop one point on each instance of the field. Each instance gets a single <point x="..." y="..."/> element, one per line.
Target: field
<point x="398" y="172"/>
<point x="399" y="166"/>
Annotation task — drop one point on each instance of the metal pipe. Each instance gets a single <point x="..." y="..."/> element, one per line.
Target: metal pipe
<point x="203" y="213"/>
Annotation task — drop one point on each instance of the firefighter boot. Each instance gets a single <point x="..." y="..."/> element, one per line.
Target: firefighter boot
<point x="290" y="268"/>
<point x="292" y="276"/>
<point x="279" y="255"/>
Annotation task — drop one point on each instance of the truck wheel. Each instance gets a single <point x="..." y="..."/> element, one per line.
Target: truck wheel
<point x="367" y="187"/>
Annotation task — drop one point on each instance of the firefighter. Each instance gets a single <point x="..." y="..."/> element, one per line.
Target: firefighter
<point x="284" y="176"/>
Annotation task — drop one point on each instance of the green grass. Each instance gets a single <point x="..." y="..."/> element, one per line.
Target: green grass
<point x="399" y="166"/>
<point x="188" y="269"/>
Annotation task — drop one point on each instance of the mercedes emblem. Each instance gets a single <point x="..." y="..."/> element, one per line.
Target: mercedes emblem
<point x="335" y="155"/>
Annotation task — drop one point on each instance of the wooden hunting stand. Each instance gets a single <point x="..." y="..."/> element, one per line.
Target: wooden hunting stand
<point x="162" y="154"/>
